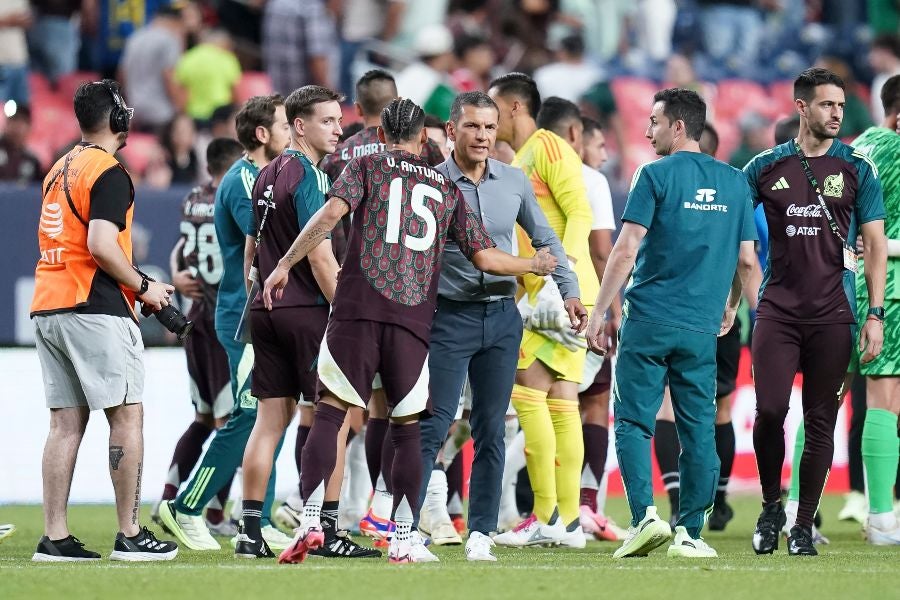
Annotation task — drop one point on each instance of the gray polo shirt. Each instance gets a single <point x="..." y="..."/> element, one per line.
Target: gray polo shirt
<point x="503" y="198"/>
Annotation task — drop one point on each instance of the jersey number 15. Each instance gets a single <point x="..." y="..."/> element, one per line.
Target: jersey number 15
<point x="420" y="193"/>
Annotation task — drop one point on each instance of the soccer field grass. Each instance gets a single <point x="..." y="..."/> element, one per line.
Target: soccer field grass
<point x="848" y="568"/>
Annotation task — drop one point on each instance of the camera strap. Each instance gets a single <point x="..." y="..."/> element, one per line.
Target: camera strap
<point x="64" y="171"/>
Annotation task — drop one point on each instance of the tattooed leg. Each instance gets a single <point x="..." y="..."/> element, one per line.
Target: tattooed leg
<point x="126" y="455"/>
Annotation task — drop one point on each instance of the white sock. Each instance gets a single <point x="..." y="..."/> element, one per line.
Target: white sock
<point x="356" y="491"/>
<point x="455" y="505"/>
<point x="601" y="495"/>
<point x="790" y="511"/>
<point x="515" y="462"/>
<point x="312" y="509"/>
<point x="237" y="503"/>
<point x="403" y="517"/>
<point x="588" y="481"/>
<point x="436" y="492"/>
<point x="294" y="500"/>
<point x="382" y="501"/>
<point x="883" y="521"/>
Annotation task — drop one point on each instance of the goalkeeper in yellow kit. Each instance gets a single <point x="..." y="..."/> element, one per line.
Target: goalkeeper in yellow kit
<point x="551" y="357"/>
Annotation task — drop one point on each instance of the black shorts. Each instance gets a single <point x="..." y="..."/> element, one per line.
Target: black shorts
<point x="728" y="356"/>
<point x="354" y="351"/>
<point x="286" y="346"/>
<point x="602" y="381"/>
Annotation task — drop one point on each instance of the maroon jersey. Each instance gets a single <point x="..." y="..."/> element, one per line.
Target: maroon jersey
<point x="293" y="189"/>
<point x="200" y="253"/>
<point x="403" y="211"/>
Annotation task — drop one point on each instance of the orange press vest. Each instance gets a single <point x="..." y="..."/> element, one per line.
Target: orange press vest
<point x="65" y="271"/>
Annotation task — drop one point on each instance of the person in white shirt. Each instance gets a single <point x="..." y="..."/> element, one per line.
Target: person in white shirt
<point x="884" y="58"/>
<point x="571" y="75"/>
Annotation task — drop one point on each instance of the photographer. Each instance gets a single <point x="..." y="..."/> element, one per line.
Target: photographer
<point x="86" y="330"/>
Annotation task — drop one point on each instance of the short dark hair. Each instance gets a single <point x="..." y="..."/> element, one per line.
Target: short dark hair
<point x="890" y="95"/>
<point x="302" y="101"/>
<point x="223" y="114"/>
<point x="258" y="111"/>
<point x="522" y="87"/>
<point x="476" y="99"/>
<point x="806" y="83"/>
<point x="350" y="130"/>
<point x="221" y="154"/>
<point x="434" y="122"/>
<point x="402" y="120"/>
<point x="466" y="42"/>
<point x="557" y="113"/>
<point x="375" y="90"/>
<point x="591" y="126"/>
<point x="684" y="105"/>
<point x="93" y="103"/>
<point x="786" y="129"/>
<point x="713" y="136"/>
<point x="889" y="42"/>
<point x="572" y="45"/>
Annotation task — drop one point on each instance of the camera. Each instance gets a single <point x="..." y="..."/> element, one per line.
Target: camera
<point x="170" y="317"/>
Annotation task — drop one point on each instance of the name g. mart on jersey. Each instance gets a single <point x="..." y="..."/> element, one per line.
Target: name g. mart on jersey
<point x="705" y="201"/>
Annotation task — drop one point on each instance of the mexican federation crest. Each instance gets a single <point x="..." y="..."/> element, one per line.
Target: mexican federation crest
<point x="834" y="185"/>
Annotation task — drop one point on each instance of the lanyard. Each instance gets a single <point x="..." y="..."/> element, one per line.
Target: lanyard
<point x="815" y="186"/>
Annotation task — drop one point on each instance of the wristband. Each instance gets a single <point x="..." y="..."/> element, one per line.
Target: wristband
<point x="145" y="285"/>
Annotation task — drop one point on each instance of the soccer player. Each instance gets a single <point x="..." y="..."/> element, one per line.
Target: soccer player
<point x="817" y="193"/>
<point x="384" y="305"/>
<point x="545" y="395"/>
<point x="374" y="91"/>
<point x="263" y="131"/>
<point x="879" y="437"/>
<point x="288" y="191"/>
<point x="687" y="224"/>
<point x="196" y="270"/>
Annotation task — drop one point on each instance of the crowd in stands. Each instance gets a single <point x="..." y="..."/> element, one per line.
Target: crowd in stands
<point x="186" y="65"/>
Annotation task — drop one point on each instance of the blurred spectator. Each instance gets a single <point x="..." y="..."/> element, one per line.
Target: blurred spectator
<point x="299" y="44"/>
<point x="437" y="132"/>
<point x="208" y="72"/>
<point x="856" y="113"/>
<point x="787" y="128"/>
<point x="884" y="16"/>
<point x="755" y="137"/>
<point x="599" y="103"/>
<point x="478" y="19"/>
<point x="680" y="73"/>
<point x="419" y="15"/>
<point x="732" y="30"/>
<point x="475" y="58"/>
<point x="526" y="23"/>
<point x="654" y="21"/>
<point x="884" y="58"/>
<point x="571" y="75"/>
<point x="427" y="81"/>
<point x="15" y="18"/>
<point x="243" y="19"/>
<point x="105" y="28"/>
<point x="148" y="70"/>
<point x="363" y="21"/>
<point x="222" y="124"/>
<point x="178" y="140"/>
<point x="53" y="38"/>
<point x="17" y="163"/>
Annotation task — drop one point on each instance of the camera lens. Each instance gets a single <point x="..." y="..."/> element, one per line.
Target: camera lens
<point x="175" y="321"/>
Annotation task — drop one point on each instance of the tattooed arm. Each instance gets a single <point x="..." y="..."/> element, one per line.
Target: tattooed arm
<point x="316" y="230"/>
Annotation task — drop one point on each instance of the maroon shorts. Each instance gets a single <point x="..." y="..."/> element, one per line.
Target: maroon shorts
<point x="285" y="346"/>
<point x="602" y="381"/>
<point x="207" y="365"/>
<point x="353" y="351"/>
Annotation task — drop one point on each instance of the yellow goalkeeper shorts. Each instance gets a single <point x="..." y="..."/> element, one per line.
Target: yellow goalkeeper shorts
<point x="566" y="364"/>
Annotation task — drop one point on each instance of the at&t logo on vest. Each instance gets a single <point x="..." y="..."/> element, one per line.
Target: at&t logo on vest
<point x="705" y="201"/>
<point x="52" y="220"/>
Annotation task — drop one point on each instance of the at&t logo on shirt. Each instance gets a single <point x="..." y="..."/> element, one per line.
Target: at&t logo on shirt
<point x="704" y="201"/>
<point x="791" y="231"/>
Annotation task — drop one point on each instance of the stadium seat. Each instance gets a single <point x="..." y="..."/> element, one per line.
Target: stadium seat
<point x="634" y="97"/>
<point x="52" y="123"/>
<point x="140" y="150"/>
<point x="68" y="83"/>
<point x="737" y="96"/>
<point x="782" y="97"/>
<point x="252" y="83"/>
<point x="37" y="83"/>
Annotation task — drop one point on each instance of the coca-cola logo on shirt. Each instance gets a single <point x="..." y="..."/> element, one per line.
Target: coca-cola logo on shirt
<point x="812" y="210"/>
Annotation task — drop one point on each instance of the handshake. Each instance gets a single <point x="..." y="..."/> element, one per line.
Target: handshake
<point x="549" y="317"/>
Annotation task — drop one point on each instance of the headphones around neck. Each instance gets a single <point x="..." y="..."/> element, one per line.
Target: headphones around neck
<point x="120" y="115"/>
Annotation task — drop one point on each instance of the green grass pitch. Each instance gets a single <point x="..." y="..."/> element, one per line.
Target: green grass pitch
<point x="848" y="569"/>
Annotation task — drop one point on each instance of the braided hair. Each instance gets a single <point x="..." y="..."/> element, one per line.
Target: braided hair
<point x="402" y="120"/>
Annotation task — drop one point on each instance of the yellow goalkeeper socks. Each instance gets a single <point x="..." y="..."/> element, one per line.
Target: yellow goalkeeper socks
<point x="540" y="447"/>
<point x="569" y="456"/>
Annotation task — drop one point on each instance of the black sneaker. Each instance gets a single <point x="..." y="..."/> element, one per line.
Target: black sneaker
<point x="341" y="545"/>
<point x="800" y="542"/>
<point x="142" y="547"/>
<point x="246" y="547"/>
<point x="68" y="549"/>
<point x="768" y="528"/>
<point x="720" y="515"/>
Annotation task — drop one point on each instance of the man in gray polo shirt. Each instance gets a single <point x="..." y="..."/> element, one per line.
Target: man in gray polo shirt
<point x="477" y="328"/>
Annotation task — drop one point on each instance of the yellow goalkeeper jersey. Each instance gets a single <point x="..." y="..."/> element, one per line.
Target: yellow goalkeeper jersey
<point x="554" y="169"/>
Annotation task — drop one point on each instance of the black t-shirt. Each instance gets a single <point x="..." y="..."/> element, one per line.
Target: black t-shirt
<point x="111" y="196"/>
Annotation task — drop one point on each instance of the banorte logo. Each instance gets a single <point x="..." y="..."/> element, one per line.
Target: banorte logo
<point x="52" y="220"/>
<point x="705" y="195"/>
